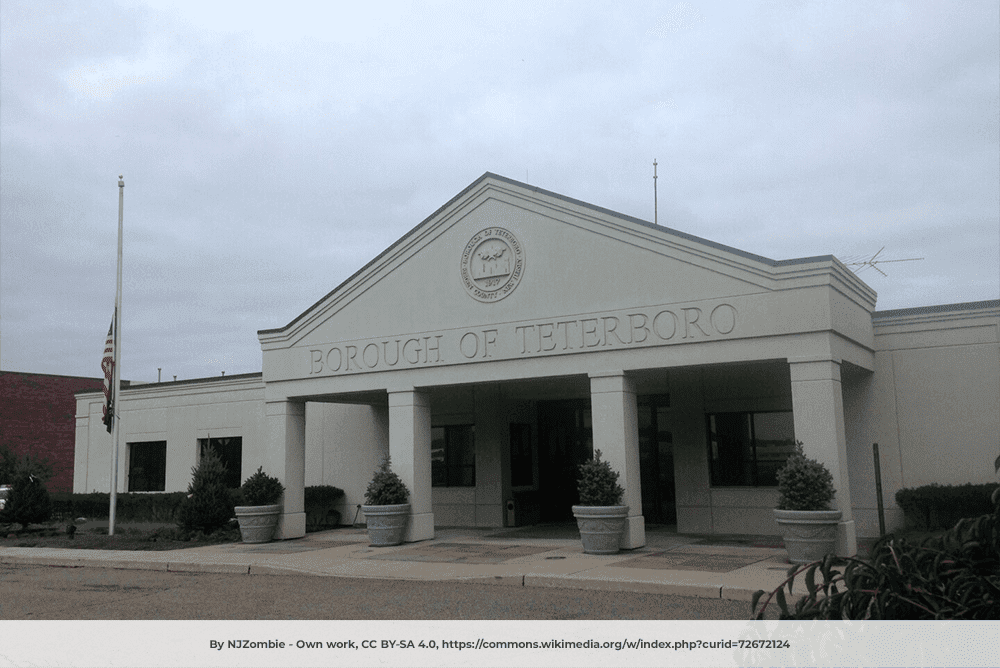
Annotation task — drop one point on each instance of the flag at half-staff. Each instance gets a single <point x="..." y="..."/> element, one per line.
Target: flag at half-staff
<point x="108" y="367"/>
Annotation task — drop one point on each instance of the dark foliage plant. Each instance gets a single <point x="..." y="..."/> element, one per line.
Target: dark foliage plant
<point x="955" y="576"/>
<point x="804" y="484"/>
<point x="386" y="487"/>
<point x="598" y="483"/>
<point x="261" y="489"/>
<point x="209" y="503"/>
<point x="935" y="506"/>
<point x="28" y="501"/>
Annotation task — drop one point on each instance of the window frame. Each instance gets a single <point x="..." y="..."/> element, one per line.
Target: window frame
<point x="160" y="469"/>
<point x="751" y="474"/>
<point x="455" y="460"/>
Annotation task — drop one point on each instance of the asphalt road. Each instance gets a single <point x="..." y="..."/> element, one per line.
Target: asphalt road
<point x="44" y="592"/>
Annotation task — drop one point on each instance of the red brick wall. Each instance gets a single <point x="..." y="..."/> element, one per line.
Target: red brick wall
<point x="38" y="416"/>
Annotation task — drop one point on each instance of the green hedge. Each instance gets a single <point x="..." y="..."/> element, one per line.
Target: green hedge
<point x="319" y="505"/>
<point x="320" y="502"/>
<point x="933" y="507"/>
<point x="133" y="507"/>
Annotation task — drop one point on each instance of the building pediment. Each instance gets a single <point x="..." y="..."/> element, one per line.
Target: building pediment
<point x="509" y="269"/>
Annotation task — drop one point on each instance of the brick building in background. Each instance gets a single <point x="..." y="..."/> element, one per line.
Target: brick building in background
<point x="38" y="417"/>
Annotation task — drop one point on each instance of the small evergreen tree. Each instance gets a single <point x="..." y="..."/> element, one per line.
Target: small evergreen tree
<point x="386" y="487"/>
<point x="29" y="501"/>
<point x="209" y="504"/>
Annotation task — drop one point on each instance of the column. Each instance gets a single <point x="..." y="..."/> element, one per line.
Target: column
<point x="818" y="410"/>
<point x="616" y="435"/>
<point x="410" y="451"/>
<point x="286" y="460"/>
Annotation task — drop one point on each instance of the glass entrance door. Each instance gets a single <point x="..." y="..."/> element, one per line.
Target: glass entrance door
<point x="566" y="440"/>
<point x="656" y="460"/>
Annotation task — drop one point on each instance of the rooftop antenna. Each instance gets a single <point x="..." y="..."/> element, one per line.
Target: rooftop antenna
<point x="873" y="262"/>
<point x="655" y="203"/>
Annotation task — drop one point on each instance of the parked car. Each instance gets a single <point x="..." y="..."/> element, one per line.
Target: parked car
<point x="4" y="493"/>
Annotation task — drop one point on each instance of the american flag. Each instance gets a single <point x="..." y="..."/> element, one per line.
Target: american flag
<point x="108" y="366"/>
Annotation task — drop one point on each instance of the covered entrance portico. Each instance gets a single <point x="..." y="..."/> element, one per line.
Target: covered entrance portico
<point x="489" y="382"/>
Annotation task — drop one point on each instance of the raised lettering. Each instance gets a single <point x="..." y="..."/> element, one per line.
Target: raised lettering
<point x="612" y="330"/>
<point x="489" y="339"/>
<point x="673" y="325"/>
<point x="436" y="349"/>
<point x="688" y="321"/>
<point x="546" y="335"/>
<point x="365" y="356"/>
<point x="315" y="357"/>
<point x="726" y="315"/>
<point x="385" y="353"/>
<point x="463" y="347"/>
<point x="638" y="326"/>
<point x="523" y="331"/>
<point x="565" y="328"/>
<point x="340" y="360"/>
<point x="586" y="329"/>
<point x="416" y="351"/>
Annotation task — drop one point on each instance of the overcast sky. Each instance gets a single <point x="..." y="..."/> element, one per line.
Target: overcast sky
<point x="270" y="150"/>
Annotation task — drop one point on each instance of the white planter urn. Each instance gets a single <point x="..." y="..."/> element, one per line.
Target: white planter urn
<point x="809" y="535"/>
<point x="386" y="524"/>
<point x="601" y="527"/>
<point x="258" y="523"/>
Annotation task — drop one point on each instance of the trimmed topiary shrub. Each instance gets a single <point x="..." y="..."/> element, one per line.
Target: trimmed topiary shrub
<point x="209" y="503"/>
<point x="598" y="483"/>
<point x="261" y="489"/>
<point x="804" y="484"/>
<point x="386" y="487"/>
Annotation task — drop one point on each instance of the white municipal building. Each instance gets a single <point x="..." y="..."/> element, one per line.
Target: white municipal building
<point x="497" y="344"/>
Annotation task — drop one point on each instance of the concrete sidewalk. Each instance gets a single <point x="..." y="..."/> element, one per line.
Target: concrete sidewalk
<point x="543" y="556"/>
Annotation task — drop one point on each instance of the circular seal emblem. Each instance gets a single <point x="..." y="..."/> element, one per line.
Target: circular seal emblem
<point x="492" y="264"/>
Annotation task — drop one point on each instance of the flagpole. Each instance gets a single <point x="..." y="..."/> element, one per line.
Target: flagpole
<point x="116" y="384"/>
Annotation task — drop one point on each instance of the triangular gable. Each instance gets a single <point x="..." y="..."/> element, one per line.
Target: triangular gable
<point x="537" y="255"/>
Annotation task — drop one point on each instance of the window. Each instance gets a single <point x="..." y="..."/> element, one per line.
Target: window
<point x="147" y="466"/>
<point x="230" y="451"/>
<point x="453" y="456"/>
<point x="747" y="449"/>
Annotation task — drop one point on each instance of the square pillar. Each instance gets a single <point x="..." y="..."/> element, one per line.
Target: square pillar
<point x="818" y="412"/>
<point x="410" y="451"/>
<point x="286" y="460"/>
<point x="616" y="435"/>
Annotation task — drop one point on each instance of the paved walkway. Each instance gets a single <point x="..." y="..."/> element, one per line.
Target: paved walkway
<point x="542" y="556"/>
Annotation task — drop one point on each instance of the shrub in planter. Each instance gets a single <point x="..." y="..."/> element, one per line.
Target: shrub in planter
<point x="261" y="489"/>
<point x="209" y="503"/>
<point x="805" y="492"/>
<point x="952" y="576"/>
<point x="258" y="510"/>
<point x="386" y="506"/>
<point x="600" y="515"/>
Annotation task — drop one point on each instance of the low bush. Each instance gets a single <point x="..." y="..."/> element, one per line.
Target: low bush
<point x="320" y="503"/>
<point x="260" y="489"/>
<point x="940" y="506"/>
